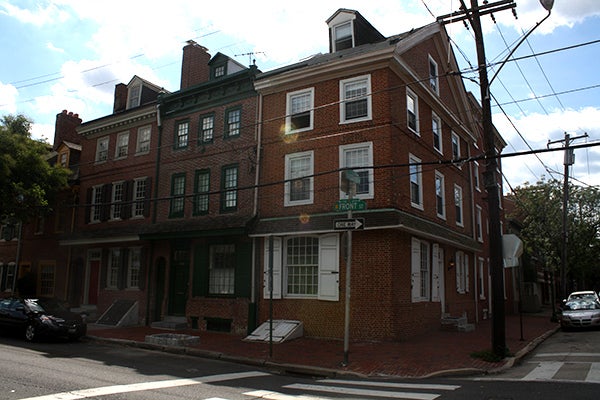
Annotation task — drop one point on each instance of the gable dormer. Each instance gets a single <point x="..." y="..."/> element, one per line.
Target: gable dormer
<point x="221" y="65"/>
<point x="140" y="92"/>
<point x="348" y="29"/>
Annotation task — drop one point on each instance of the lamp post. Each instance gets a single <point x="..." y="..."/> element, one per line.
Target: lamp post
<point x="490" y="174"/>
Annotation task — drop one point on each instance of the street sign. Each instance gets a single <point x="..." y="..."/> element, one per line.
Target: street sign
<point x="349" y="224"/>
<point x="350" y="205"/>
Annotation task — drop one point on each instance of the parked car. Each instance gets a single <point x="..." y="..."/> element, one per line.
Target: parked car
<point x="580" y="313"/>
<point x="584" y="294"/>
<point x="40" y="317"/>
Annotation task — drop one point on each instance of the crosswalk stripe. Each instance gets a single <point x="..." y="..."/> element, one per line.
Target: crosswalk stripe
<point x="270" y="395"/>
<point x="364" y="392"/>
<point x="594" y="373"/>
<point x="544" y="370"/>
<point x="394" y="385"/>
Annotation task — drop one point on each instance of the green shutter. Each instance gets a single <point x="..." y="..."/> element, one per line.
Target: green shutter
<point x="243" y="269"/>
<point x="200" y="277"/>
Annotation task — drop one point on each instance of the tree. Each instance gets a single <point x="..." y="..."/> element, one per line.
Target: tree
<point x="28" y="183"/>
<point x="539" y="208"/>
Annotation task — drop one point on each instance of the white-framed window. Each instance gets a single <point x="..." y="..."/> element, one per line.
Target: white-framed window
<point x="7" y="276"/>
<point x="122" y="147"/>
<point x="182" y="134"/>
<point x="478" y="223"/>
<point x="359" y="157"/>
<point x="455" y="146"/>
<point x="476" y="180"/>
<point x="134" y="267"/>
<point x="134" y="96"/>
<point x="342" y="36"/>
<point x="102" y="149"/>
<point x="412" y="111"/>
<point x="462" y="272"/>
<point x="114" y="266"/>
<point x="207" y="128"/>
<point x="143" y="140"/>
<point x="117" y="197"/>
<point x="201" y="191"/>
<point x="482" y="278"/>
<point x="420" y="271"/>
<point x="303" y="267"/>
<point x="299" y="110"/>
<point x="221" y="269"/>
<point x="434" y="82"/>
<point x="96" y="206"/>
<point x="458" y="205"/>
<point x="416" y="181"/>
<point x="355" y="99"/>
<point x="436" y="129"/>
<point x="139" y="197"/>
<point x="440" y="195"/>
<point x="299" y="178"/>
<point x="233" y="122"/>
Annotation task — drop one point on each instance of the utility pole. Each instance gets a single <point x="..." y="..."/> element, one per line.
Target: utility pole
<point x="568" y="161"/>
<point x="490" y="176"/>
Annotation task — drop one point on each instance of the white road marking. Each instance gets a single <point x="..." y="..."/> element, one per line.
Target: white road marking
<point x="567" y="355"/>
<point x="136" y="387"/>
<point x="269" y="395"/>
<point x="594" y="373"/>
<point x="393" y="384"/>
<point x="544" y="370"/>
<point x="365" y="392"/>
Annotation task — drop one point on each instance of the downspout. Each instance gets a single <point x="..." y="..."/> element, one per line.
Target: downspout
<point x="474" y="230"/>
<point x="256" y="241"/>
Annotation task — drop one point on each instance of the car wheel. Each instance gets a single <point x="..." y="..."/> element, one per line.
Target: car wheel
<point x="30" y="333"/>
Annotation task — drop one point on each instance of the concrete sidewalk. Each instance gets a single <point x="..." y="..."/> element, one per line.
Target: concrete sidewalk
<point x="438" y="353"/>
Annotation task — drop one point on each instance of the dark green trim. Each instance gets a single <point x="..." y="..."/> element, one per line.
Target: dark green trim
<point x="224" y="190"/>
<point x="226" y="132"/>
<point x="176" y="145"/>
<point x="176" y="196"/>
<point x="201" y="172"/>
<point x="193" y="234"/>
<point x="201" y="140"/>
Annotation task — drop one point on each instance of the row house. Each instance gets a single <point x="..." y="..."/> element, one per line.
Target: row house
<point x="394" y="111"/>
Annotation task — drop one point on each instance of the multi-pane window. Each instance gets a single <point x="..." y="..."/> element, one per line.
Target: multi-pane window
<point x="433" y="76"/>
<point x="458" y="205"/>
<point x="63" y="159"/>
<point x="116" y="201"/>
<point x="114" y="266"/>
<point x="342" y="36"/>
<point x="436" y="128"/>
<point x="207" y="128"/>
<point x="139" y="197"/>
<point x="122" y="145"/>
<point x="359" y="157"/>
<point x="134" y="267"/>
<point x="462" y="272"/>
<point x="440" y="195"/>
<point x="233" y="121"/>
<point x="182" y="134"/>
<point x="416" y="182"/>
<point x="300" y="110"/>
<point x="424" y="266"/>
<point x="177" y="196"/>
<point x="219" y="71"/>
<point x="229" y="184"/>
<point x="102" y="149"/>
<point x="96" y="206"/>
<point x="412" y="111"/>
<point x="201" y="190"/>
<point x="476" y="175"/>
<point x="355" y="99"/>
<point x="134" y="96"/>
<point x="47" y="280"/>
<point x="479" y="223"/>
<point x="455" y="146"/>
<point x="420" y="270"/>
<point x="143" y="140"/>
<point x="302" y="262"/>
<point x="482" y="278"/>
<point x="299" y="179"/>
<point x="221" y="269"/>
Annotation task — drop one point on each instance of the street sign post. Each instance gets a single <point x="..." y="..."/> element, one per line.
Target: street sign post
<point x="349" y="224"/>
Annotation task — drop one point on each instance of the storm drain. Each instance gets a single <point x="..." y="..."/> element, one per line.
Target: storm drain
<point x="172" y="339"/>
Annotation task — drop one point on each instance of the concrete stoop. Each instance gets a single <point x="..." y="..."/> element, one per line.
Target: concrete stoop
<point x="458" y="324"/>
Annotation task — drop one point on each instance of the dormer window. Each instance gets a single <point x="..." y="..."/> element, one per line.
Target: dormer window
<point x="134" y="96"/>
<point x="342" y="36"/>
<point x="219" y="71"/>
<point x="63" y="159"/>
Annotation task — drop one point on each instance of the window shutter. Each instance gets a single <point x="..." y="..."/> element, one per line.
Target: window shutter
<point x="276" y="269"/>
<point x="122" y="278"/>
<point x="147" y="197"/>
<point x="106" y="201"/>
<point x="436" y="266"/>
<point x="243" y="270"/>
<point x="329" y="268"/>
<point x="415" y="270"/>
<point x="466" y="263"/>
<point x="458" y="269"/>
<point x="200" y="271"/>
<point x="143" y="261"/>
<point x="126" y="204"/>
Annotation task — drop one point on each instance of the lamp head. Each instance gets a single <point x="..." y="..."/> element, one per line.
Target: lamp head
<point x="547" y="4"/>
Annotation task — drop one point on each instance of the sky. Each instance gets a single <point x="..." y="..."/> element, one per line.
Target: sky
<point x="69" y="55"/>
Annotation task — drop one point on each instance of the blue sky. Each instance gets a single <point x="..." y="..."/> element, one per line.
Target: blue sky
<point x="69" y="54"/>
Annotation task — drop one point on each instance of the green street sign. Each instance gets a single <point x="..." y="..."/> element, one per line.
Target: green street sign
<point x="350" y="205"/>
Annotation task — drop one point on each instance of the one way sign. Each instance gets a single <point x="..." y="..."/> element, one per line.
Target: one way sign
<point x="349" y="224"/>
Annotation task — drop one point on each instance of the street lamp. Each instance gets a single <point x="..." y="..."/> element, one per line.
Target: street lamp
<point x="490" y="175"/>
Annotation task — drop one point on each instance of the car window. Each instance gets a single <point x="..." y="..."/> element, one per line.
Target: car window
<point x="5" y="304"/>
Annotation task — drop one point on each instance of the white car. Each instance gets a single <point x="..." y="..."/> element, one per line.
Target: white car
<point x="585" y="294"/>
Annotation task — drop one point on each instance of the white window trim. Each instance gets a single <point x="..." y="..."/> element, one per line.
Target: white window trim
<point x="415" y="98"/>
<point x="435" y="89"/>
<point x="113" y="201"/>
<point x="462" y="211"/>
<point x="135" y="199"/>
<point x="342" y="151"/>
<point x="458" y="155"/>
<point x="416" y="276"/>
<point x="443" y="195"/>
<point x="462" y="272"/>
<point x="109" y="270"/>
<point x="288" y="110"/>
<point x="476" y="176"/>
<point x="118" y="145"/>
<point x="96" y="205"/>
<point x="479" y="223"/>
<point x="99" y="142"/>
<point x="434" y="116"/>
<point x="333" y="33"/>
<point x="368" y="96"/>
<point x="130" y="102"/>
<point x="412" y="159"/>
<point x="139" y="140"/>
<point x="482" y="279"/>
<point x="133" y="250"/>
<point x="288" y="183"/>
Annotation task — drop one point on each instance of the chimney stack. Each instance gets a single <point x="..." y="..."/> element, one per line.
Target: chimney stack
<point x="194" y="67"/>
<point x="65" y="128"/>
<point x="120" y="103"/>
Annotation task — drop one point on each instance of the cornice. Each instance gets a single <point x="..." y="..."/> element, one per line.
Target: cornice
<point x="116" y="122"/>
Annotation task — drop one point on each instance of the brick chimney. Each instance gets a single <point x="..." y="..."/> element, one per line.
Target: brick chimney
<point x="65" y="128"/>
<point x="194" y="67"/>
<point x="120" y="98"/>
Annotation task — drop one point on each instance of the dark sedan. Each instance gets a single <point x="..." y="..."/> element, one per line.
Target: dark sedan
<point x="40" y="317"/>
<point x="580" y="313"/>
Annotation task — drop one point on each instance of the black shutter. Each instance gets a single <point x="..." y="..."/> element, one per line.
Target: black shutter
<point x="122" y="280"/>
<point x="147" y="197"/>
<point x="127" y="204"/>
<point x="200" y="271"/>
<point x="243" y="269"/>
<point x="106" y="200"/>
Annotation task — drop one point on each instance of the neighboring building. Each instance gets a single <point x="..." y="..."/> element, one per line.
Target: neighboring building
<point x="395" y="111"/>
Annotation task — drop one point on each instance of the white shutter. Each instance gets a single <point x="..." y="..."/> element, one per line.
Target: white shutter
<point x="435" y="272"/>
<point x="276" y="269"/>
<point x="415" y="270"/>
<point x="329" y="268"/>
<point x="466" y="273"/>
<point x="459" y="269"/>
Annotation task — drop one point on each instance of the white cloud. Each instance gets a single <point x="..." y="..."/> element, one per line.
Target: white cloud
<point x="8" y="98"/>
<point x="51" y="46"/>
<point x="39" y="16"/>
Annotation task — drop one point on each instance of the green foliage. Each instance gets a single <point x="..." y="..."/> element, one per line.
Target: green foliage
<point x="28" y="182"/>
